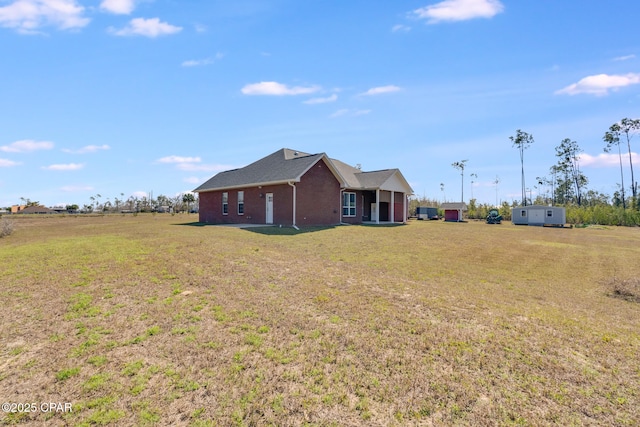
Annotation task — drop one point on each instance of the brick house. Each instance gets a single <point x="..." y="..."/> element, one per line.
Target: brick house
<point x="290" y="187"/>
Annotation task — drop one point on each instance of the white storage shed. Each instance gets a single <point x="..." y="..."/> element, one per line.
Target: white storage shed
<point x="538" y="215"/>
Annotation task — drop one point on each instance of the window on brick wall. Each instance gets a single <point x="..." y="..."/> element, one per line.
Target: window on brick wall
<point x="348" y="204"/>
<point x="240" y="202"/>
<point x="225" y="203"/>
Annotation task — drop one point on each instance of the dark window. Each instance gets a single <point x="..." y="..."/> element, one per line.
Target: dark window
<point x="240" y="202"/>
<point x="225" y="203"/>
<point x="348" y="204"/>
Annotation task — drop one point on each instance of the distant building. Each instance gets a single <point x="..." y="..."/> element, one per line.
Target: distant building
<point x="36" y="210"/>
<point x="453" y="211"/>
<point x="538" y="215"/>
<point x="17" y="208"/>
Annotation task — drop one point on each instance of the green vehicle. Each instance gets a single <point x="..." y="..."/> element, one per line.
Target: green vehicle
<point x="494" y="217"/>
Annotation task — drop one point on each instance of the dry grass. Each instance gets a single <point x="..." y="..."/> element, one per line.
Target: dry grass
<point x="149" y="321"/>
<point x="628" y="290"/>
<point x="6" y="227"/>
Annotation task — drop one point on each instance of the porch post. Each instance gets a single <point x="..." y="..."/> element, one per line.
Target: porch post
<point x="404" y="208"/>
<point x="393" y="206"/>
<point x="377" y="206"/>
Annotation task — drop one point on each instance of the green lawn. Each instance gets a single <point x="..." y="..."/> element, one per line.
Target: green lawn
<point x="154" y="320"/>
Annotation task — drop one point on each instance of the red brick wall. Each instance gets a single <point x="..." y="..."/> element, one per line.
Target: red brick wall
<point x="255" y="206"/>
<point x="318" y="197"/>
<point x="318" y="202"/>
<point x="361" y="209"/>
<point x="398" y="207"/>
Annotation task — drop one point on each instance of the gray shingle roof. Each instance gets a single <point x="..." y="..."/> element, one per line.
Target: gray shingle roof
<point x="287" y="165"/>
<point x="454" y="205"/>
<point x="284" y="165"/>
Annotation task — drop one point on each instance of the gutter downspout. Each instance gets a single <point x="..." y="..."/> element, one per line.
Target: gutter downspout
<point x="294" y="204"/>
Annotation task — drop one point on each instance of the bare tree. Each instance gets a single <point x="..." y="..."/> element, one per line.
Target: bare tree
<point x="460" y="166"/>
<point x="612" y="138"/>
<point x="522" y="141"/>
<point x="568" y="153"/>
<point x="630" y="127"/>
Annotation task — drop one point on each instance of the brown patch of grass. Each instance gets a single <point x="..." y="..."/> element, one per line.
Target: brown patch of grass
<point x="6" y="227"/>
<point x="136" y="321"/>
<point x="628" y="290"/>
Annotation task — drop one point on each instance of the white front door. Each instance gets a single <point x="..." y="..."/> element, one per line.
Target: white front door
<point x="269" y="199"/>
<point x="374" y="208"/>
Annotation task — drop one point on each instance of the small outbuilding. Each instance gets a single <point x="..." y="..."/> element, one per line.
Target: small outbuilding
<point x="453" y="211"/>
<point x="423" y="212"/>
<point x="539" y="215"/>
<point x="36" y="210"/>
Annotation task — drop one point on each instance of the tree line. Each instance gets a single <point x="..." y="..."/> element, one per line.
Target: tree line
<point x="185" y="202"/>
<point x="566" y="184"/>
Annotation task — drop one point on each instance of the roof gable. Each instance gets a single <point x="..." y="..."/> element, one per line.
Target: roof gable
<point x="283" y="166"/>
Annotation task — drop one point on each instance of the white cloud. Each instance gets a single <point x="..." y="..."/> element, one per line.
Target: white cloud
<point x="179" y="159"/>
<point x="605" y="160"/>
<point x="459" y="10"/>
<point x="64" y="167"/>
<point x="192" y="164"/>
<point x="341" y="112"/>
<point x="400" y="28"/>
<point x="87" y="149"/>
<point x="313" y="101"/>
<point x="27" y="16"/>
<point x="381" y="89"/>
<point x="199" y="62"/>
<point x="140" y="194"/>
<point x="277" y="89"/>
<point x="4" y="163"/>
<point x="26" y="145"/>
<point x="347" y="112"/>
<point x="119" y="7"/>
<point x="76" y="188"/>
<point x="600" y="84"/>
<point x="151" y="27"/>
<point x="624" y="58"/>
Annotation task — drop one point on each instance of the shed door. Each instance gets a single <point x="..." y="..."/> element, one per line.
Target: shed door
<point x="269" y="201"/>
<point x="451" y="215"/>
<point x="536" y="216"/>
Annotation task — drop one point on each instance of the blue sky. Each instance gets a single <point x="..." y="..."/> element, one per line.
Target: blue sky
<point x="135" y="96"/>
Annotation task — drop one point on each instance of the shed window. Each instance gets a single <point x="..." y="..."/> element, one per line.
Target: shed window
<point x="240" y="202"/>
<point x="523" y="213"/>
<point x="348" y="204"/>
<point x="225" y="203"/>
<point x="549" y="213"/>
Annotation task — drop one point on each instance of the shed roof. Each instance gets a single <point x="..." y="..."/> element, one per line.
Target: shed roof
<point x="456" y="205"/>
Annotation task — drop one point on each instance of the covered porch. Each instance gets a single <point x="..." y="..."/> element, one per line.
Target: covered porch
<point x="384" y="207"/>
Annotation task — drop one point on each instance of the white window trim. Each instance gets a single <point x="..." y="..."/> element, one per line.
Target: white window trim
<point x="240" y="202"/>
<point x="348" y="206"/>
<point x="225" y="203"/>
